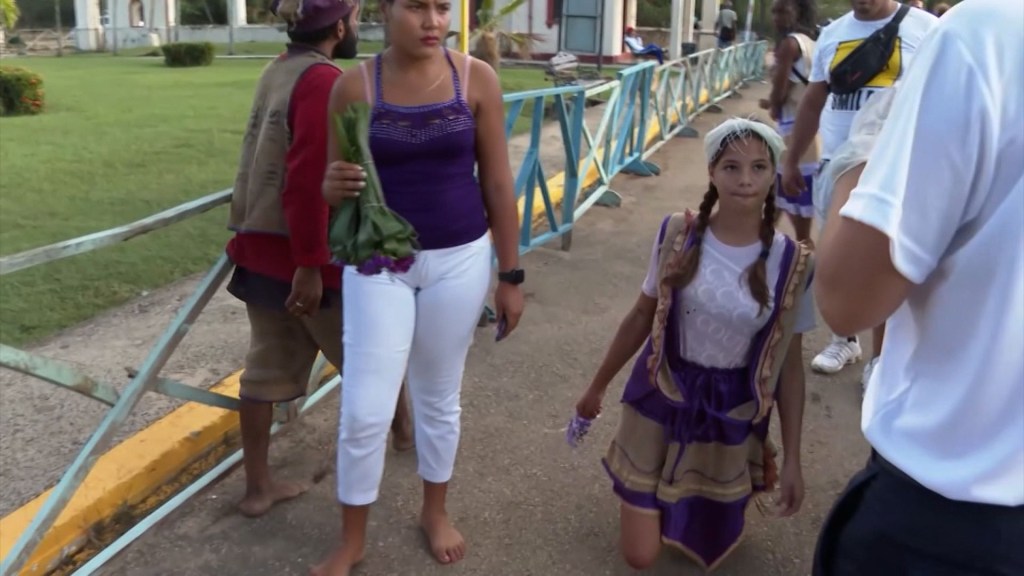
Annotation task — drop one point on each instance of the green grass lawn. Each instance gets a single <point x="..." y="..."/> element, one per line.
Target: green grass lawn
<point x="122" y="138"/>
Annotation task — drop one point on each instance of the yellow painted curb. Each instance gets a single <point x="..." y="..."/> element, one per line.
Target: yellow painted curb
<point x="556" y="184"/>
<point x="123" y="477"/>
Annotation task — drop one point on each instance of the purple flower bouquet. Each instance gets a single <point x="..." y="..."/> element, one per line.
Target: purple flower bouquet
<point x="576" y="430"/>
<point x="364" y="232"/>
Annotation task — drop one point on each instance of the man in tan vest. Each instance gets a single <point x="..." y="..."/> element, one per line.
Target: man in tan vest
<point x="283" y="268"/>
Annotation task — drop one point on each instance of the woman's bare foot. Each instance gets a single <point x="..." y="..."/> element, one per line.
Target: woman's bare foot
<point x="258" y="502"/>
<point x="339" y="563"/>
<point x="446" y="543"/>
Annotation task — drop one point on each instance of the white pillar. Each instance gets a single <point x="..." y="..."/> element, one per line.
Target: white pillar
<point x="688" y="9"/>
<point x="630" y="16"/>
<point x="87" y="25"/>
<point x="750" y="17"/>
<point x="236" y="13"/>
<point x="708" y="16"/>
<point x="675" y="35"/>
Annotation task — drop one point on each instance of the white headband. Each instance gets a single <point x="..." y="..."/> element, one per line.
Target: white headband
<point x="737" y="126"/>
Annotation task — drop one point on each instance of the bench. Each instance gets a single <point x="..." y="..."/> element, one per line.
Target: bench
<point x="564" y="69"/>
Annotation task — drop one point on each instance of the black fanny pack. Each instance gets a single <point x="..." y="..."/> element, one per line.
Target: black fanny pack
<point x="868" y="59"/>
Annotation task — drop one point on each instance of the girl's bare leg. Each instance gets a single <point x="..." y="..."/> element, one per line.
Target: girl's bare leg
<point x="640" y="536"/>
<point x="349" y="551"/>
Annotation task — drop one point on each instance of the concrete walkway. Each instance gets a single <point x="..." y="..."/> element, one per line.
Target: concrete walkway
<point x="528" y="505"/>
<point x="36" y="447"/>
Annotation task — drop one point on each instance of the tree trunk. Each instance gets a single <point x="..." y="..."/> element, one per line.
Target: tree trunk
<point x="487" y="49"/>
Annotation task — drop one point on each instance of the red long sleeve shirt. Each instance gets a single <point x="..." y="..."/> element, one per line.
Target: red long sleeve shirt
<point x="304" y="208"/>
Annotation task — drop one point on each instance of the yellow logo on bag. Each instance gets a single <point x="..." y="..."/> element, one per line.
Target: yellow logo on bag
<point x="884" y="79"/>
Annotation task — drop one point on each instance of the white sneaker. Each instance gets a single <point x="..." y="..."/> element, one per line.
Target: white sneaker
<point x="837" y="355"/>
<point x="868" y="369"/>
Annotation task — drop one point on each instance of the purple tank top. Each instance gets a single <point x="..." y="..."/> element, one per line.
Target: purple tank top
<point x="426" y="160"/>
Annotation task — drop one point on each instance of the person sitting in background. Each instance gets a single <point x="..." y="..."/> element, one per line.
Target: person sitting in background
<point x="638" y="48"/>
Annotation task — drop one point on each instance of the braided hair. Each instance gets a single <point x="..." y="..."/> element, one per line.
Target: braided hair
<point x="757" y="272"/>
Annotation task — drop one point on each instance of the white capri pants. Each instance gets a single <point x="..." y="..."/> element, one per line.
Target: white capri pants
<point x="423" y="319"/>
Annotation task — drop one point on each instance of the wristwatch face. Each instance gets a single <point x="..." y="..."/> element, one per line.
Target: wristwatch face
<point x="512" y="276"/>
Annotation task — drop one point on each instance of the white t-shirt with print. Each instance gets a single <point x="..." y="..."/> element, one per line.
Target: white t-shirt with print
<point x="718" y="315"/>
<point x="839" y="39"/>
<point x="945" y="183"/>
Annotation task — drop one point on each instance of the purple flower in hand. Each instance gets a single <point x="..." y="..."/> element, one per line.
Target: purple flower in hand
<point x="576" y="430"/>
<point x="375" y="265"/>
<point x="403" y="264"/>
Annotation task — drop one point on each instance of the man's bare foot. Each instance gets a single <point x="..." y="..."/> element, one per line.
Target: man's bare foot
<point x="340" y="562"/>
<point x="257" y="504"/>
<point x="446" y="543"/>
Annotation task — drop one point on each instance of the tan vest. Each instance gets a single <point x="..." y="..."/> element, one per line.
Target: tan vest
<point x="256" y="200"/>
<point x="770" y="344"/>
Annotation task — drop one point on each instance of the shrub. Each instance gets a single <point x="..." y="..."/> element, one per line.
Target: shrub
<point x="188" y="54"/>
<point x="21" y="91"/>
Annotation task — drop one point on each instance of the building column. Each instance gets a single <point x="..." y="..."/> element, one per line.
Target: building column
<point x="630" y="16"/>
<point x="688" y="10"/>
<point x="708" y="15"/>
<point x="675" y="37"/>
<point x="236" y="13"/>
<point x="87" y="25"/>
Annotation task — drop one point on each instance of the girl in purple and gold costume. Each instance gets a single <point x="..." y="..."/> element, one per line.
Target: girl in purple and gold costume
<point x="719" y="320"/>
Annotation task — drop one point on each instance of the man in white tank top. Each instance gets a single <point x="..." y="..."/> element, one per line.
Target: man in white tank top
<point x="794" y="53"/>
<point x="930" y="241"/>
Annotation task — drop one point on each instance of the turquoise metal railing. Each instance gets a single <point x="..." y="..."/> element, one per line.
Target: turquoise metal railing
<point x="643" y="107"/>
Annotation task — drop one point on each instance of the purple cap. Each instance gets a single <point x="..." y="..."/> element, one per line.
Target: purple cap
<point x="308" y="15"/>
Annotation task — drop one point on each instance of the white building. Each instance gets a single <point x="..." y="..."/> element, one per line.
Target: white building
<point x="591" y="27"/>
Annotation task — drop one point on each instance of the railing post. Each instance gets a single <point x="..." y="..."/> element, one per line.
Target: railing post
<point x="142" y="382"/>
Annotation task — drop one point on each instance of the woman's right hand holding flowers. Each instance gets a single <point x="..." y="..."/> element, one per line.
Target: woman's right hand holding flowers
<point x="342" y="181"/>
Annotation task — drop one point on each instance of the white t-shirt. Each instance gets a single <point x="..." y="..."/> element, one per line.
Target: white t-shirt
<point x="634" y="42"/>
<point x="719" y="316"/>
<point x="945" y="183"/>
<point x="839" y="39"/>
<point x="727" y="18"/>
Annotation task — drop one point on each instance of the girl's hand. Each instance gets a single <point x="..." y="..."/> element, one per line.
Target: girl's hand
<point x="589" y="405"/>
<point x="342" y="181"/>
<point x="791" y="495"/>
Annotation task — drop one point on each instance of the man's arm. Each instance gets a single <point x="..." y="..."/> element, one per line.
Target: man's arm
<point x="785" y="57"/>
<point x="305" y="211"/>
<point x="917" y="189"/>
<point x="808" y="116"/>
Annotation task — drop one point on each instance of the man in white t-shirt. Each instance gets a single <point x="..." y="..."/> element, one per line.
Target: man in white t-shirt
<point x="832" y="115"/>
<point x="930" y="239"/>
<point x="725" y="26"/>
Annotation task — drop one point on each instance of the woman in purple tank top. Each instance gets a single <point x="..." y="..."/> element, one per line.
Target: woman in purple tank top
<point x="437" y="117"/>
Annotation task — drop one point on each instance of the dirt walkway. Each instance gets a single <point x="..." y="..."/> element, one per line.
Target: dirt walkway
<point x="528" y="505"/>
<point x="42" y="427"/>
